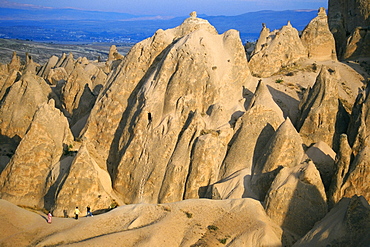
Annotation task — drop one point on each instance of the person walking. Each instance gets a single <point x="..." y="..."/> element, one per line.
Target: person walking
<point x="49" y="217"/>
<point x="77" y="212"/>
<point x="88" y="212"/>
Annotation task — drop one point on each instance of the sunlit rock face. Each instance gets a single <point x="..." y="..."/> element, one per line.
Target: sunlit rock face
<point x="281" y="48"/>
<point x="26" y="179"/>
<point x="318" y="39"/>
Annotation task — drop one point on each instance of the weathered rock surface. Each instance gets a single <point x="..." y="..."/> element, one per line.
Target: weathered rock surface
<point x="282" y="48"/>
<point x="87" y="184"/>
<point x="296" y="200"/>
<point x="113" y="54"/>
<point x="48" y="66"/>
<point x="349" y="21"/>
<point x="20" y="104"/>
<point x="39" y="150"/>
<point x="357" y="181"/>
<point x="76" y="94"/>
<point x="57" y="75"/>
<point x="358" y="131"/>
<point x="347" y="224"/>
<point x="342" y="164"/>
<point x="323" y="157"/>
<point x="7" y="81"/>
<point x="257" y="125"/>
<point x="185" y="91"/>
<point x="318" y="39"/>
<point x="177" y="119"/>
<point x="320" y="116"/>
<point x="284" y="149"/>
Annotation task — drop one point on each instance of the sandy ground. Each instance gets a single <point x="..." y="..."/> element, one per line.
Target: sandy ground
<point x="240" y="222"/>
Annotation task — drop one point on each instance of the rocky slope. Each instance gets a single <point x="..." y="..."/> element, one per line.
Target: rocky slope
<point x="276" y="141"/>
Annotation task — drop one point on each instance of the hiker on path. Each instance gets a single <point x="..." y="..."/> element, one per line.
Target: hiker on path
<point x="77" y="212"/>
<point x="88" y="212"/>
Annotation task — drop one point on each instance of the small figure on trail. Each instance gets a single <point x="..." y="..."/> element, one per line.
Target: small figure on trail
<point x="88" y="212"/>
<point x="77" y="212"/>
<point x="49" y="217"/>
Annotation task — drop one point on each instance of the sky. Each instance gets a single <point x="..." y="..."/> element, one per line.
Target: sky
<point x="173" y="7"/>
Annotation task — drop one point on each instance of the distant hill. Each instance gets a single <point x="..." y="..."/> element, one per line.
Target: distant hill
<point x="78" y="26"/>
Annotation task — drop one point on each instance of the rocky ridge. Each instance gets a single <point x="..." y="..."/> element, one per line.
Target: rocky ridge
<point x="184" y="116"/>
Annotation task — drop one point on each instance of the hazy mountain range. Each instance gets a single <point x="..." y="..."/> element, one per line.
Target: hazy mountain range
<point x="79" y="26"/>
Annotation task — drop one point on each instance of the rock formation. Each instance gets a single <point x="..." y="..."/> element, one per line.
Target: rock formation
<point x="20" y="104"/>
<point x="320" y="117"/>
<point x="296" y="200"/>
<point x="346" y="225"/>
<point x="342" y="163"/>
<point x="181" y="116"/>
<point x="349" y="22"/>
<point x="318" y="39"/>
<point x="113" y="54"/>
<point x="323" y="157"/>
<point x="174" y="96"/>
<point x="284" y="149"/>
<point x="39" y="150"/>
<point x="282" y="48"/>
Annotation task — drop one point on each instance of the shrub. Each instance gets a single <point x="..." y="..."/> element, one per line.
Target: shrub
<point x="212" y="228"/>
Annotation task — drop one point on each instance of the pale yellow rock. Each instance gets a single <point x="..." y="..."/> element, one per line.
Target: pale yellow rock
<point x="318" y="39"/>
<point x="256" y="127"/>
<point x="323" y="157"/>
<point x="20" y="104"/>
<point x="282" y="49"/>
<point x="209" y="151"/>
<point x="357" y="182"/>
<point x="174" y="99"/>
<point x="76" y="94"/>
<point x="342" y="163"/>
<point x="15" y="63"/>
<point x="85" y="185"/>
<point x="284" y="149"/>
<point x="57" y="75"/>
<point x="319" y="111"/>
<point x="38" y="151"/>
<point x="296" y="199"/>
<point x="47" y="67"/>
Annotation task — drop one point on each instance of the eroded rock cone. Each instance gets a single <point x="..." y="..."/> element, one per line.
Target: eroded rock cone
<point x="85" y="184"/>
<point x="257" y="125"/>
<point x="76" y="95"/>
<point x="358" y="129"/>
<point x="358" y="177"/>
<point x="40" y="149"/>
<point x="320" y="116"/>
<point x="20" y="104"/>
<point x="342" y="163"/>
<point x="318" y="39"/>
<point x="113" y="54"/>
<point x="45" y="69"/>
<point x="284" y="149"/>
<point x="15" y="63"/>
<point x="167" y="93"/>
<point x="347" y="224"/>
<point x="296" y="200"/>
<point x="282" y="48"/>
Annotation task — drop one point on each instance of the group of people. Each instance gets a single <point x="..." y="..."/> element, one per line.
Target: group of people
<point x="76" y="212"/>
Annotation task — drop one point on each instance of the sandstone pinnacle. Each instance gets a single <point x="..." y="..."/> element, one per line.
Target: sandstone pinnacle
<point x="318" y="39"/>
